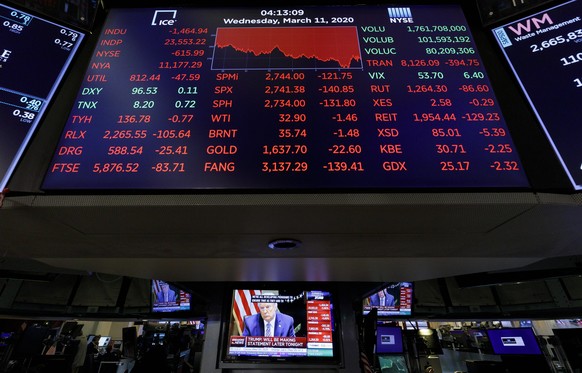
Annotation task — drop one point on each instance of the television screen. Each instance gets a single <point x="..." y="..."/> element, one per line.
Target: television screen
<point x="302" y="98"/>
<point x="389" y="340"/>
<point x="168" y="298"/>
<point x="34" y="55"/>
<point x="282" y="326"/>
<point x="543" y="50"/>
<point x="514" y="341"/>
<point x="392" y="299"/>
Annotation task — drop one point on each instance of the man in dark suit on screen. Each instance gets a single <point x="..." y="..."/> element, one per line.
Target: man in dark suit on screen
<point x="269" y="322"/>
<point x="382" y="298"/>
<point x="165" y="295"/>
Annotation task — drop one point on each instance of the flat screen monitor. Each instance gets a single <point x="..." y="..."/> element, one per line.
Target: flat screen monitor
<point x="389" y="340"/>
<point x="5" y="338"/>
<point x="392" y="299"/>
<point x="35" y="53"/>
<point x="77" y="13"/>
<point x="479" y="333"/>
<point x="424" y="341"/>
<point x="543" y="50"/>
<point x="158" y="339"/>
<point x="301" y="98"/>
<point x="168" y="298"/>
<point x="68" y="327"/>
<point x="392" y="364"/>
<point x="305" y="328"/>
<point x="514" y="341"/>
<point x="103" y="341"/>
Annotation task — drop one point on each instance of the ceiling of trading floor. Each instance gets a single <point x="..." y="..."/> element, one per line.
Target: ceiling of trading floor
<point x="342" y="237"/>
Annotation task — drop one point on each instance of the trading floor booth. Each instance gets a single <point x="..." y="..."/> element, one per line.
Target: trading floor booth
<point x="390" y="349"/>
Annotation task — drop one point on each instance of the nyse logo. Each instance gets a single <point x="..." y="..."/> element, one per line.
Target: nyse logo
<point x="527" y="25"/>
<point x="503" y="38"/>
<point x="400" y="15"/>
<point x="164" y="18"/>
<point x="5" y="55"/>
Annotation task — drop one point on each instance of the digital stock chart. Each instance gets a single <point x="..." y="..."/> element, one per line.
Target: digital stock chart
<point x="292" y="48"/>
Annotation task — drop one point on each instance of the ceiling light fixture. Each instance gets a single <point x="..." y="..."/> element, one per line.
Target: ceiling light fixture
<point x="284" y="244"/>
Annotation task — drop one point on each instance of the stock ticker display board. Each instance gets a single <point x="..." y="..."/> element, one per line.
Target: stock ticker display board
<point x="34" y="55"/>
<point x="298" y="98"/>
<point x="545" y="53"/>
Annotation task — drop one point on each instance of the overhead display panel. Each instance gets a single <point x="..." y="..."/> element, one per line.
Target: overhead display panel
<point x="545" y="52"/>
<point x="77" y="13"/>
<point x="346" y="97"/>
<point x="34" y="55"/>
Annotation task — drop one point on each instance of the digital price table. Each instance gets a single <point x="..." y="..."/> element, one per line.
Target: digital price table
<point x="34" y="54"/>
<point x="302" y="98"/>
<point x="545" y="53"/>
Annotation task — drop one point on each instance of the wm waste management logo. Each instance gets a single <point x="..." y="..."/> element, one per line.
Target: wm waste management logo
<point x="400" y="15"/>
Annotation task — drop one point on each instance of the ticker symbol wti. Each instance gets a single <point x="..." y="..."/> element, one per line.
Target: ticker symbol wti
<point x="164" y="18"/>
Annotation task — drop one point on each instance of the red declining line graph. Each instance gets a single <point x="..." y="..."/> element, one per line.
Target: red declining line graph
<point x="338" y="44"/>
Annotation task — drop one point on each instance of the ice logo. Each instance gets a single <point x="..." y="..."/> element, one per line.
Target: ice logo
<point x="164" y="17"/>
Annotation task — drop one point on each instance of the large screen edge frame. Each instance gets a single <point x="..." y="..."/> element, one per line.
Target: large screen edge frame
<point x="57" y="84"/>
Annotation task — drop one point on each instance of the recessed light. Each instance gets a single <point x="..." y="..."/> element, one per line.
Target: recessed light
<point x="284" y="244"/>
